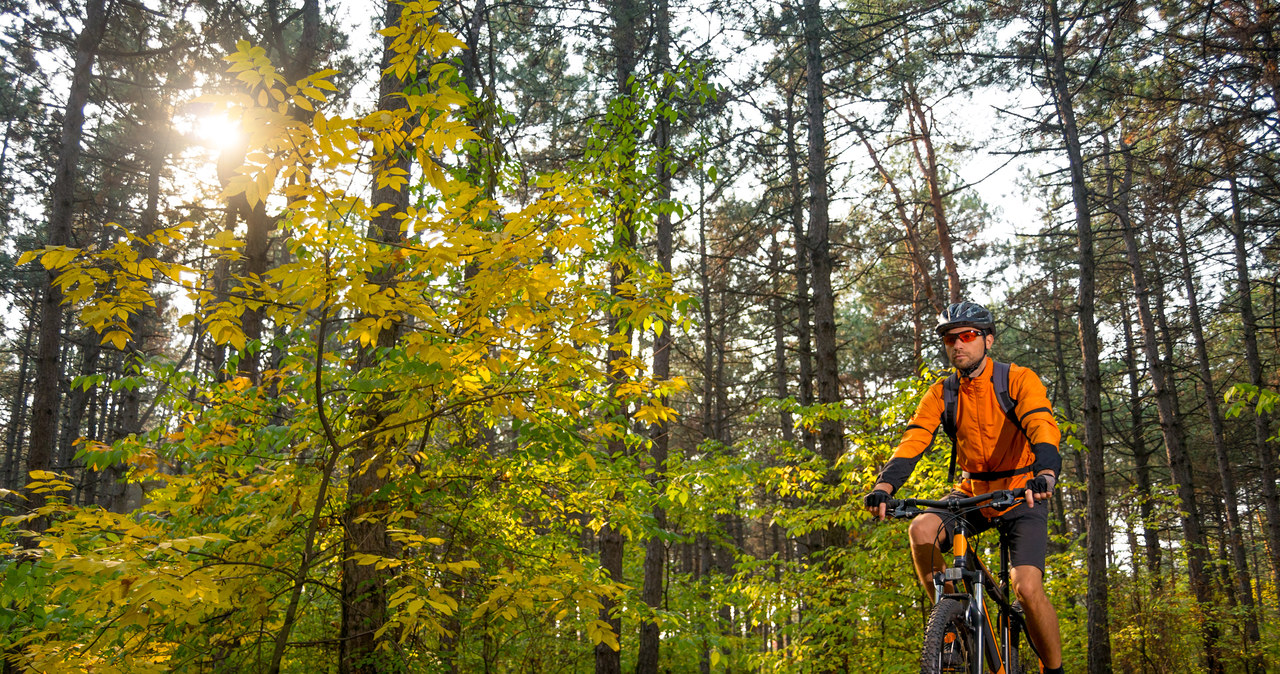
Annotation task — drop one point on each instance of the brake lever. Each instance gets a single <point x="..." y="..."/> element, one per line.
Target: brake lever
<point x="898" y="510"/>
<point x="1008" y="498"/>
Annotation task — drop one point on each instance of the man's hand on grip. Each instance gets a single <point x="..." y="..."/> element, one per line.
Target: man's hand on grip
<point x="1039" y="487"/>
<point x="877" y="503"/>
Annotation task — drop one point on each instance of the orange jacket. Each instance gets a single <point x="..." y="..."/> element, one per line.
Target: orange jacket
<point x="986" y="440"/>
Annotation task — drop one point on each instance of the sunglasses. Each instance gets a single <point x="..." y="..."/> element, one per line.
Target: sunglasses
<point x="965" y="337"/>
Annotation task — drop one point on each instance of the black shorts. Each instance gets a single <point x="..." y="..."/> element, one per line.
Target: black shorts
<point x="1025" y="529"/>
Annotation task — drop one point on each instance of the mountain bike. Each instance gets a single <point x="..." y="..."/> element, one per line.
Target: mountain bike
<point x="961" y="633"/>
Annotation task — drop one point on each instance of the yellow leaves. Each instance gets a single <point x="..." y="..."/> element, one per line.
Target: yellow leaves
<point x="192" y="542"/>
<point x="57" y="546"/>
<point x="599" y="632"/>
<point x="494" y="324"/>
<point x="655" y="413"/>
<point x="239" y="383"/>
<point x="227" y="332"/>
<point x="394" y="178"/>
<point x="252" y="65"/>
<point x="413" y="602"/>
<point x="226" y="240"/>
<point x="678" y="492"/>
<point x="116" y="338"/>
<point x="53" y="257"/>
<point x="45" y="482"/>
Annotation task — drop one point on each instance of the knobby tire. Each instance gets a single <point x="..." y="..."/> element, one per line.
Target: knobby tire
<point x="940" y="657"/>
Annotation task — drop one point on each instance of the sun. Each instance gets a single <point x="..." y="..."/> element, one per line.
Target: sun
<point x="217" y="131"/>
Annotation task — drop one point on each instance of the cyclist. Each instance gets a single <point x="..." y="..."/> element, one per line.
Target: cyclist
<point x="996" y="449"/>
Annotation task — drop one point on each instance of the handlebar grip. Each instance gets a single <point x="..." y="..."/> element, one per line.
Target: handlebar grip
<point x="910" y="507"/>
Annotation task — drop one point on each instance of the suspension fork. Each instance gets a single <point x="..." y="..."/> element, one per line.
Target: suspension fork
<point x="1006" y="619"/>
<point x="990" y="651"/>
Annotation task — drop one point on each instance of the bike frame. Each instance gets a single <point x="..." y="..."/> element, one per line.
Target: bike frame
<point x="970" y="574"/>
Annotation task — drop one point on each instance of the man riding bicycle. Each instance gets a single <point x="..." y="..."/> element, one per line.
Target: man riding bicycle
<point x="1005" y="437"/>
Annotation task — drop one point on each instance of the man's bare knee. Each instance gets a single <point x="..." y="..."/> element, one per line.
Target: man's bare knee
<point x="1028" y="586"/>
<point x="925" y="530"/>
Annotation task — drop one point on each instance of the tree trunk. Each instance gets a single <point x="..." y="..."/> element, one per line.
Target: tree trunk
<point x="48" y="376"/>
<point x="831" y="434"/>
<point x="1261" y="422"/>
<point x="929" y="166"/>
<point x="77" y="404"/>
<point x="1141" y="455"/>
<point x="1170" y="424"/>
<point x="708" y="339"/>
<point x="1099" y="655"/>
<point x="655" y="553"/>
<point x="626" y="15"/>
<point x="804" y="337"/>
<point x="1062" y="400"/>
<point x="915" y="248"/>
<point x="142" y="323"/>
<point x="786" y="422"/>
<point x="258" y="224"/>
<point x="364" y="598"/>
<point x="18" y="412"/>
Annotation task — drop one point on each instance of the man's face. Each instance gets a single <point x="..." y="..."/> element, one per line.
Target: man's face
<point x="964" y="354"/>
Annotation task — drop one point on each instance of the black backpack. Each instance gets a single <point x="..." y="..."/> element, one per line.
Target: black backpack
<point x="951" y="401"/>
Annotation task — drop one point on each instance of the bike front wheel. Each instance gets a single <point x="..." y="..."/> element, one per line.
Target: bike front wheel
<point x="949" y="645"/>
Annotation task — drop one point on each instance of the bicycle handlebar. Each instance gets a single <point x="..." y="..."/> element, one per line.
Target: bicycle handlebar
<point x="908" y="508"/>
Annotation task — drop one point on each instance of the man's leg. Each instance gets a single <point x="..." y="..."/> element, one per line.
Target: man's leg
<point x="1042" y="619"/>
<point x="925" y="553"/>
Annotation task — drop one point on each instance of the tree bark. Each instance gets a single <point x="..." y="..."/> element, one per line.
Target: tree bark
<point x="258" y="223"/>
<point x="655" y="553"/>
<point x="1170" y="424"/>
<point x="626" y="16"/>
<point x="1141" y="455"/>
<point x="1099" y="650"/>
<point x="1244" y="585"/>
<point x="143" y="321"/>
<point x="1261" y="422"/>
<point x="18" y="411"/>
<point x="915" y="247"/>
<point x="364" y="596"/>
<point x="786" y="422"/>
<point x="804" y="337"/>
<point x="48" y="375"/>
<point x="929" y="166"/>
<point x="831" y="433"/>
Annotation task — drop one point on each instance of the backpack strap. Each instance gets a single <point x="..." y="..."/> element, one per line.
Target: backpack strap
<point x="950" y="401"/>
<point x="1000" y="382"/>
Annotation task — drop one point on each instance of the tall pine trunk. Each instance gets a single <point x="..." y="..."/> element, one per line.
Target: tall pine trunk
<point x="655" y="553"/>
<point x="626" y="16"/>
<point x="14" y="434"/>
<point x="804" y="322"/>
<point x="831" y="433"/>
<point x="928" y="162"/>
<point x="1166" y="407"/>
<point x="915" y="247"/>
<point x="1240" y="564"/>
<point x="48" y="375"/>
<point x="786" y="421"/>
<point x="364" y="598"/>
<point x="1261" y="422"/>
<point x="1141" y="454"/>
<point x="1099" y="655"/>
